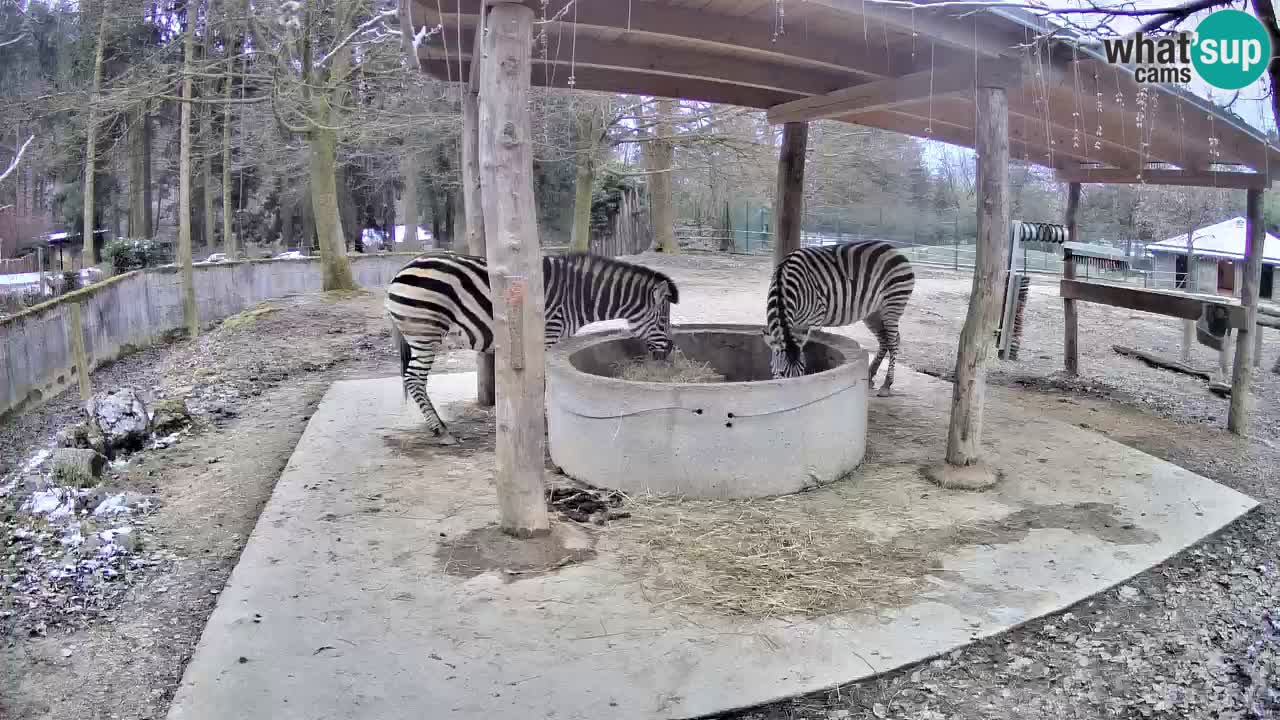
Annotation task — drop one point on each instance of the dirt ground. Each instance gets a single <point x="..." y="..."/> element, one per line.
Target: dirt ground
<point x="1198" y="637"/>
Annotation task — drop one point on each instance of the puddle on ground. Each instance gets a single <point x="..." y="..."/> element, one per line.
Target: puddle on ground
<point x="1102" y="520"/>
<point x="488" y="548"/>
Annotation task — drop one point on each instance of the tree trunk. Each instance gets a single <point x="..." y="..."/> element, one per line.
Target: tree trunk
<point x="139" y="143"/>
<point x="1242" y="372"/>
<point x="588" y="136"/>
<point x="89" y="255"/>
<point x="206" y="176"/>
<point x="229" y="244"/>
<point x="448" y="221"/>
<point x="964" y="436"/>
<point x="335" y="268"/>
<point x="662" y="156"/>
<point x="1070" y="349"/>
<point x="408" y="210"/>
<point x="515" y="268"/>
<point x="189" y="315"/>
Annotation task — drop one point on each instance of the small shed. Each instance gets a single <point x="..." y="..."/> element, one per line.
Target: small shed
<point x="1218" y="253"/>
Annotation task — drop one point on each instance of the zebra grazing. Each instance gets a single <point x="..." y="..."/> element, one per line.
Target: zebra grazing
<point x="834" y="285"/>
<point x="439" y="291"/>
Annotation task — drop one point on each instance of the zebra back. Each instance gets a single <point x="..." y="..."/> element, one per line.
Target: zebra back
<point x="835" y="285"/>
<point x="582" y="288"/>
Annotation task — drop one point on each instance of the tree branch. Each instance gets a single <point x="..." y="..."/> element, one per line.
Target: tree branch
<point x="17" y="159"/>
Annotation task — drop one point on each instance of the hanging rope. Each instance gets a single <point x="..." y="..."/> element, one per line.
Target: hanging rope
<point x="729" y="416"/>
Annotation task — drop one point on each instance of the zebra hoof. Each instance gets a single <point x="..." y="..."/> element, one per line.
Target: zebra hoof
<point x="446" y="439"/>
<point x="884" y="392"/>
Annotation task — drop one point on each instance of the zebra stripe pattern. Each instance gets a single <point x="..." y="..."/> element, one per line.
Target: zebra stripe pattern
<point x="832" y="286"/>
<point x="439" y="292"/>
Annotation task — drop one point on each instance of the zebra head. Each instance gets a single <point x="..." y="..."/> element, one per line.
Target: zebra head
<point x="655" y="325"/>
<point x="786" y="355"/>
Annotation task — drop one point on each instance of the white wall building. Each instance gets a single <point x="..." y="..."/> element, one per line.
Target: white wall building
<point x="1219" y="260"/>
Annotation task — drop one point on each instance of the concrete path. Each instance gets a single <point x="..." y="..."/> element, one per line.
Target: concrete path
<point x="346" y="603"/>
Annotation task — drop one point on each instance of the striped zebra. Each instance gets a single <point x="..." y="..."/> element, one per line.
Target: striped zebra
<point x="834" y="285"/>
<point x="439" y="291"/>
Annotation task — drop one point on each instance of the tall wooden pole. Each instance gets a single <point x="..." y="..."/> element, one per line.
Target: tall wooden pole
<point x="1242" y="371"/>
<point x="789" y="199"/>
<point x="1071" y="329"/>
<point x="515" y="266"/>
<point x="1189" y="284"/>
<point x="472" y="208"/>
<point x="964" y="436"/>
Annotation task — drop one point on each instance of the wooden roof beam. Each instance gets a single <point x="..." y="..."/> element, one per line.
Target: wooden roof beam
<point x="698" y="28"/>
<point x="964" y="33"/>
<point x="1153" y="176"/>
<point x="625" y="55"/>
<point x="890" y="92"/>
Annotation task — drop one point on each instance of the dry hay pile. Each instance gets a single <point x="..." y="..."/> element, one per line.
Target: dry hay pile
<point x="772" y="557"/>
<point x="678" y="368"/>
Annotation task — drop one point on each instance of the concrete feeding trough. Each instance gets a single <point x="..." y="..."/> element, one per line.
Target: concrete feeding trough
<point x="748" y="436"/>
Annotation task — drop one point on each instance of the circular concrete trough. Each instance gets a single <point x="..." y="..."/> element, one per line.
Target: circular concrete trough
<point x="750" y="436"/>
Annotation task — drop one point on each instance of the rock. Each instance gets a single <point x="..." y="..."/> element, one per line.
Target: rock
<point x="73" y="436"/>
<point x="1129" y="593"/>
<point x="35" y="483"/>
<point x="78" y="467"/>
<point x="122" y="417"/>
<point x="169" y="416"/>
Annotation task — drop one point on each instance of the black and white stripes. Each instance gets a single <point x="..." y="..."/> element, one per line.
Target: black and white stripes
<point x="834" y="285"/>
<point x="437" y="292"/>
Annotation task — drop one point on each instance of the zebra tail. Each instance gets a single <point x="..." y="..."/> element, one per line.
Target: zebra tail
<point x="406" y="353"/>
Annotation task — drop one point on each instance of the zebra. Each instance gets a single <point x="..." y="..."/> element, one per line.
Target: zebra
<point x="439" y="291"/>
<point x="831" y="286"/>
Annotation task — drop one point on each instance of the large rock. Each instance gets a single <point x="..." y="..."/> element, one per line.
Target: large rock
<point x="122" y="417"/>
<point x="169" y="416"/>
<point x="74" y="436"/>
<point x="77" y="467"/>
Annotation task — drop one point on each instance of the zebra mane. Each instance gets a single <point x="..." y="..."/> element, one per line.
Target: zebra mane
<point x="595" y="263"/>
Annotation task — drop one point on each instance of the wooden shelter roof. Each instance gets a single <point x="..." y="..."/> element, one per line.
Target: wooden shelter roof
<point x="875" y="64"/>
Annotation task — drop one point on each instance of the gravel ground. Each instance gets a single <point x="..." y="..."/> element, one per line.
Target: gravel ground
<point x="1197" y="637"/>
<point x="1194" y="638"/>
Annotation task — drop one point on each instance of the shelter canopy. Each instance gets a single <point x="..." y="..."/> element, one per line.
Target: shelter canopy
<point x="906" y="70"/>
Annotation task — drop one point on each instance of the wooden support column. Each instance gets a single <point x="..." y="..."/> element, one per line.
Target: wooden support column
<point x="515" y="267"/>
<point x="1242" y="371"/>
<point x="1070" y="338"/>
<point x="473" y="210"/>
<point x="964" y="436"/>
<point x="789" y="200"/>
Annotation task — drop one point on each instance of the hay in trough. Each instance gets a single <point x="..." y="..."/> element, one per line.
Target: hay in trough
<point x="794" y="556"/>
<point x="677" y="368"/>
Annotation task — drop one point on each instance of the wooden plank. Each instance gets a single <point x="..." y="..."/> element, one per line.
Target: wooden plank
<point x="697" y="29"/>
<point x="1153" y="176"/>
<point x="964" y="435"/>
<point x="1177" y="305"/>
<point x="627" y="55"/>
<point x="473" y="210"/>
<point x="889" y="92"/>
<point x="636" y="83"/>
<point x="1071" y="329"/>
<point x="515" y="269"/>
<point x="1242" y="371"/>
<point x="789" y="198"/>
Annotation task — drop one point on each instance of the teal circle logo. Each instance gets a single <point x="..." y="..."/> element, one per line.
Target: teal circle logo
<point x="1232" y="49"/>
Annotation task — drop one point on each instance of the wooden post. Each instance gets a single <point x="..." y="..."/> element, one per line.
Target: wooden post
<point x="1242" y="371"/>
<point x="1189" y="285"/>
<point x="472" y="208"/>
<point x="789" y="200"/>
<point x="1070" y="349"/>
<point x="990" y="266"/>
<point x="40" y="263"/>
<point x="515" y="266"/>
<point x="75" y="334"/>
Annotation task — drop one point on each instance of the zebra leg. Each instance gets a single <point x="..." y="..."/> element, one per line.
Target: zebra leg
<point x="890" y="341"/>
<point x="876" y="325"/>
<point x="415" y="384"/>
